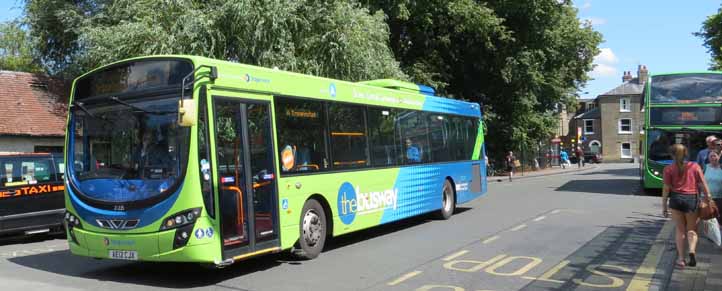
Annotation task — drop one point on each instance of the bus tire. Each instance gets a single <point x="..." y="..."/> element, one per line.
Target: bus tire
<point x="448" y="201"/>
<point x="312" y="231"/>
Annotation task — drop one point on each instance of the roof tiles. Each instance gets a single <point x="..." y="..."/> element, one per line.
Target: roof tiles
<point x="32" y="104"/>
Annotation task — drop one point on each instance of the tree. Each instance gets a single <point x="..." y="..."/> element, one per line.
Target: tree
<point x="16" y="49"/>
<point x="338" y="39"/>
<point x="711" y="32"/>
<point x="519" y="58"/>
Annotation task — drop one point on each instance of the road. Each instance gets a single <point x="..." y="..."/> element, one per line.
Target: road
<point x="588" y="230"/>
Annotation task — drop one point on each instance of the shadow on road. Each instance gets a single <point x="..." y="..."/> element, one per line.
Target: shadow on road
<point x="608" y="186"/>
<point x="187" y="275"/>
<point x="626" y="172"/>
<point x="618" y="251"/>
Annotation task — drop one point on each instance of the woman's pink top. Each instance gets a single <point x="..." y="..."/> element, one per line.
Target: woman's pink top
<point x="686" y="183"/>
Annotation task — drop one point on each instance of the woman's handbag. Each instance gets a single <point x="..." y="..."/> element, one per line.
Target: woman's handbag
<point x="707" y="209"/>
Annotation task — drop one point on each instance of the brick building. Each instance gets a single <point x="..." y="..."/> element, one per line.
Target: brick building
<point x="611" y="123"/>
<point x="33" y="108"/>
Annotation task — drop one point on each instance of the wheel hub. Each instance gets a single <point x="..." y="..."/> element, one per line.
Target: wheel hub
<point x="311" y="228"/>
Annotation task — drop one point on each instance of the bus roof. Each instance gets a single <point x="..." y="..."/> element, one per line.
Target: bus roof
<point x="258" y="80"/>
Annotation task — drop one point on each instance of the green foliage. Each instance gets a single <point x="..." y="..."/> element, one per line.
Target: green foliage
<point x="519" y="58"/>
<point x="16" y="49"/>
<point x="338" y="39"/>
<point x="712" y="34"/>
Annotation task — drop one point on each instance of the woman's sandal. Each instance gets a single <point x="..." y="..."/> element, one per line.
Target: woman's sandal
<point x="680" y="263"/>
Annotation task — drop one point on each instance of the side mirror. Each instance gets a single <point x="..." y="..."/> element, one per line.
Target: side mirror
<point x="186" y="112"/>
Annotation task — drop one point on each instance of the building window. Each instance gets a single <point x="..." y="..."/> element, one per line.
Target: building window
<point x="588" y="126"/>
<point x="625" y="126"/>
<point x="624" y="105"/>
<point x="626" y="150"/>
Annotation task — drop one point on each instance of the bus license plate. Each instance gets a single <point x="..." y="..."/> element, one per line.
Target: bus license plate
<point x="124" y="255"/>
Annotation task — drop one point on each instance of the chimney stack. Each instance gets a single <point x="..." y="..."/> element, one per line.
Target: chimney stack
<point x="627" y="76"/>
<point x="642" y="74"/>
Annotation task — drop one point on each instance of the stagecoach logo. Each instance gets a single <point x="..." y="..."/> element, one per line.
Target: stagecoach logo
<point x="248" y="78"/>
<point x="117" y="242"/>
<point x="352" y="201"/>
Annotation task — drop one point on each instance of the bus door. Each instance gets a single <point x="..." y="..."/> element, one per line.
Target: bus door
<point x="31" y="193"/>
<point x="247" y="193"/>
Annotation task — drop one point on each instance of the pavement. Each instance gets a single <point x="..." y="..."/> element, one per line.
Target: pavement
<point x="556" y="170"/>
<point x="706" y="276"/>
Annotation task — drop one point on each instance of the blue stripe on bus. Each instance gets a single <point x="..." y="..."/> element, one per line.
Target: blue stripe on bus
<point x="445" y="105"/>
<point x="420" y="188"/>
<point x="146" y="216"/>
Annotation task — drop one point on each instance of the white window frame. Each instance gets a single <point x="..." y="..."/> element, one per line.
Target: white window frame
<point x="619" y="126"/>
<point x="625" y="101"/>
<point x="621" y="150"/>
<point x="585" y="127"/>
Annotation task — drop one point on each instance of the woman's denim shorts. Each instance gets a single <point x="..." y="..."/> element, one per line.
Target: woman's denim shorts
<point x="685" y="203"/>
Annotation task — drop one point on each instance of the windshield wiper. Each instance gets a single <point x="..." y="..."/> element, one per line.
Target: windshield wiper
<point x="121" y="102"/>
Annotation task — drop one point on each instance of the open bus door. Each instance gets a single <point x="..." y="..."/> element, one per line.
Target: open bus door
<point x="247" y="193"/>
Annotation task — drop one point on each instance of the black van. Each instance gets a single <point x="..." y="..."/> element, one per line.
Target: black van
<point x="31" y="193"/>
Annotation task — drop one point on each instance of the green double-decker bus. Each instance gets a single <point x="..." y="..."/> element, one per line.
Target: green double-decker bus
<point x="190" y="159"/>
<point x="681" y="108"/>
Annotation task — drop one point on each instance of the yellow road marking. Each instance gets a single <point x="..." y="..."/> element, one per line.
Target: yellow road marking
<point x="547" y="276"/>
<point x="491" y="239"/>
<point x="533" y="262"/>
<point x="518" y="227"/>
<point x="455" y="255"/>
<point x="403" y="278"/>
<point x="539" y="218"/>
<point x="643" y="276"/>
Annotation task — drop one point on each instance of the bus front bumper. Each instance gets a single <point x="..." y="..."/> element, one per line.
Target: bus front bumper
<point x="156" y="247"/>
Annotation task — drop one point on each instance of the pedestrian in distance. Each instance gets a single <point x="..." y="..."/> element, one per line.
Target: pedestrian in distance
<point x="580" y="156"/>
<point x="702" y="155"/>
<point x="565" y="159"/>
<point x="713" y="177"/>
<point x="510" y="163"/>
<point x="682" y="179"/>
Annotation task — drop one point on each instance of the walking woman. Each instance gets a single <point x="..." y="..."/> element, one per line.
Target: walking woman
<point x="681" y="181"/>
<point x="713" y="177"/>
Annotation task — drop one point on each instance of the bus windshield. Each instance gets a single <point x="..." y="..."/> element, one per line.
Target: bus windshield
<point x="659" y="142"/>
<point x="686" y="88"/>
<point x="128" y="150"/>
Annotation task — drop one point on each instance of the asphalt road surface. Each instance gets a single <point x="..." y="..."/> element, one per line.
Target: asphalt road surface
<point x="587" y="230"/>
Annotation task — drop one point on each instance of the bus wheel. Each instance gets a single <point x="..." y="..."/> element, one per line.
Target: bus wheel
<point x="313" y="230"/>
<point x="448" y="203"/>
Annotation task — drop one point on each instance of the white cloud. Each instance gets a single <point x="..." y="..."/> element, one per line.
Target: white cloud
<point x="606" y="56"/>
<point x="604" y="64"/>
<point x="603" y="70"/>
<point x="586" y="5"/>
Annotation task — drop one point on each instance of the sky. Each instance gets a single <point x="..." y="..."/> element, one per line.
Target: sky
<point x="10" y="9"/>
<point x="657" y="34"/>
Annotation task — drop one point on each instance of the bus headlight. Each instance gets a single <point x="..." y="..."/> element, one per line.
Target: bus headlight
<point x="183" y="218"/>
<point x="71" y="222"/>
<point x="656" y="173"/>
